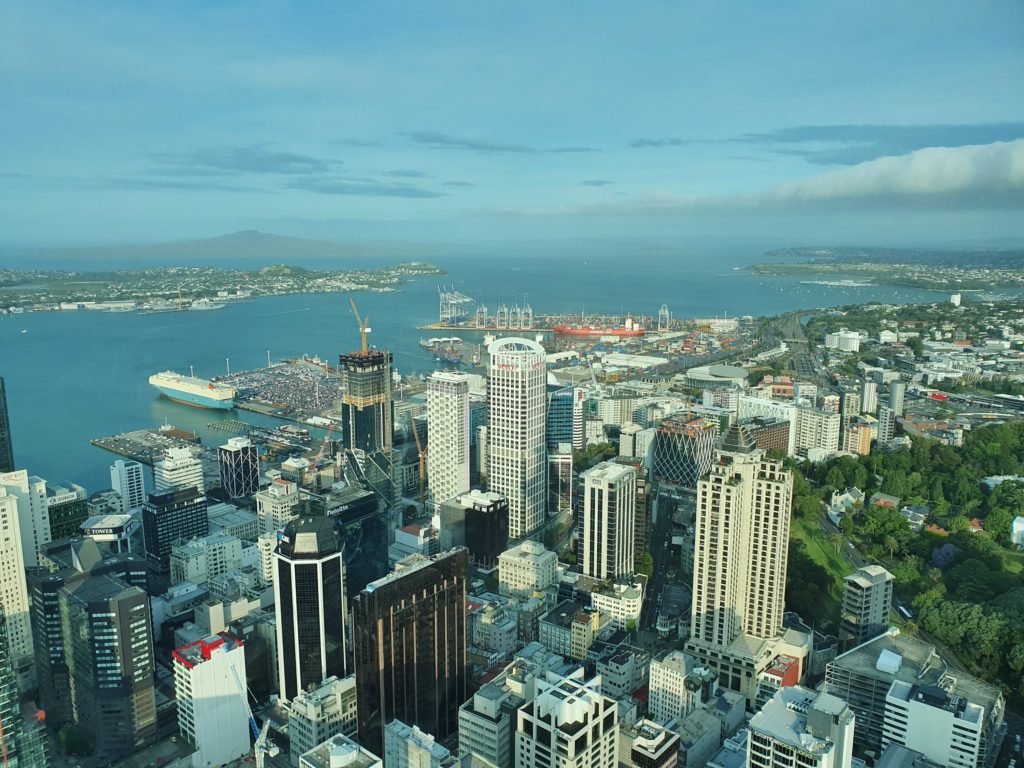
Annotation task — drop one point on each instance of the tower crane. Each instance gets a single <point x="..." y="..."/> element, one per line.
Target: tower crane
<point x="264" y="745"/>
<point x="363" y="322"/>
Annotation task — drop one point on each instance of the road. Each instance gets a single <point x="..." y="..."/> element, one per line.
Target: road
<point x="661" y="542"/>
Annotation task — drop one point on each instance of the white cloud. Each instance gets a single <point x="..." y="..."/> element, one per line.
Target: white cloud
<point x="985" y="169"/>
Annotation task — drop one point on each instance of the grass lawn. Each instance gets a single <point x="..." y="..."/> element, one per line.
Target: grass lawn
<point x="821" y="551"/>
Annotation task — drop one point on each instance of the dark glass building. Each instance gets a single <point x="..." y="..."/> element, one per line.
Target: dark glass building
<point x="361" y="520"/>
<point x="68" y="561"/>
<point x="409" y="637"/>
<point x="168" y="516"/>
<point x="6" y="446"/>
<point x="108" y="644"/>
<point x="486" y="525"/>
<point x="309" y="590"/>
<point x="564" y="417"/>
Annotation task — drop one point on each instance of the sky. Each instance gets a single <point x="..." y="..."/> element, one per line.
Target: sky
<point x="803" y="122"/>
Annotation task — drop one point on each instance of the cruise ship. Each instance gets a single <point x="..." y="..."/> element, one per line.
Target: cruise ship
<point x="191" y="390"/>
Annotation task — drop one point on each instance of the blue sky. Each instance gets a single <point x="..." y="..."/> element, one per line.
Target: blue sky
<point x="875" y="121"/>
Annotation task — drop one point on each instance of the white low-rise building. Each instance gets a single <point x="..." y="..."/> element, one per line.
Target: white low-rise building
<point x="526" y="568"/>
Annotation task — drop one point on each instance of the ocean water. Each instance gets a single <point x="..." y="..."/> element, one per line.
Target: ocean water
<point x="73" y="376"/>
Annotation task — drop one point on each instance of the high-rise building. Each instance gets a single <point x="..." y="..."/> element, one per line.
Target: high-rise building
<point x="868" y="396"/>
<point x="867" y="598"/>
<point x="448" y="428"/>
<point x="409" y="747"/>
<point x="309" y="591"/>
<point x="684" y="449"/>
<point x="276" y="505"/>
<point x="178" y="469"/>
<point x="549" y="727"/>
<point x="168" y="516"/>
<point x="68" y="561"/>
<point x="944" y="727"/>
<point x="897" y="394"/>
<point x="109" y="649"/>
<point x="609" y="512"/>
<point x="14" y="594"/>
<point x="316" y="715"/>
<point x="565" y="417"/>
<point x="516" y="430"/>
<point x="739" y="562"/>
<point x="6" y="442"/>
<point x="409" y="633"/>
<point x="818" y="727"/>
<point x="239" y="467"/>
<point x="886" y="424"/>
<point x="366" y="407"/>
<point x="128" y="479"/>
<point x="23" y="746"/>
<point x="209" y="685"/>
<point x="33" y="512"/>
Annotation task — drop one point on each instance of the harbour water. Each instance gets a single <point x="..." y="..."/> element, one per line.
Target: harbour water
<point x="73" y="376"/>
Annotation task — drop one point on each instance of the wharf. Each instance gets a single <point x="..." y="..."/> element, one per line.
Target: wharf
<point x="146" y="445"/>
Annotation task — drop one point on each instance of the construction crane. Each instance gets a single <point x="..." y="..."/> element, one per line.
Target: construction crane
<point x="422" y="458"/>
<point x="263" y="746"/>
<point x="363" y="322"/>
<point x="315" y="461"/>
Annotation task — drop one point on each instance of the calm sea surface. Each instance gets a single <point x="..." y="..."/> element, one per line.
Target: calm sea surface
<point x="74" y="376"/>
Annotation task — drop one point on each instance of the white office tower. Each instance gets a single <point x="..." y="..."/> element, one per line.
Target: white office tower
<point x="886" y="425"/>
<point x="178" y="469"/>
<point x="516" y="397"/>
<point x="276" y="505"/>
<point x="609" y="519"/>
<point x="448" y="432"/>
<point x="868" y="397"/>
<point x="548" y="729"/>
<point x="867" y="598"/>
<point x="129" y="480"/>
<point x="14" y="592"/>
<point x="669" y="698"/>
<point x="801" y="727"/>
<point x="897" y="394"/>
<point x="739" y="561"/>
<point x="209" y="684"/>
<point x="317" y="714"/>
<point x="409" y="747"/>
<point x="33" y="512"/>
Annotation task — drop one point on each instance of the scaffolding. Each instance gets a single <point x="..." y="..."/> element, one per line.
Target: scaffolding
<point x="455" y="307"/>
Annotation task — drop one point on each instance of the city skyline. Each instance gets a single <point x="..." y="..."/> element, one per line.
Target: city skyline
<point x="396" y="122"/>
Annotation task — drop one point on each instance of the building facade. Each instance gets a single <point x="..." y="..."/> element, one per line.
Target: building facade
<point x="168" y="516"/>
<point x="486" y="525"/>
<point x="684" y="449"/>
<point x="209" y="685"/>
<point x="314" y="716"/>
<point x="802" y="727"/>
<point x="239" y="463"/>
<point x="14" y="598"/>
<point x="609" y="519"/>
<point x="276" y="505"/>
<point x="178" y="469"/>
<point x="108" y="644"/>
<point x="867" y="599"/>
<point x="516" y="396"/>
<point x="448" y="429"/>
<point x="526" y="568"/>
<point x="6" y="442"/>
<point x="129" y="480"/>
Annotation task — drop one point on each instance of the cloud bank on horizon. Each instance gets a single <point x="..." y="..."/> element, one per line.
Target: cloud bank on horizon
<point x="461" y="121"/>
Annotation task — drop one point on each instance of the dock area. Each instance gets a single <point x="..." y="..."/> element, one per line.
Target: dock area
<point x="146" y="445"/>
